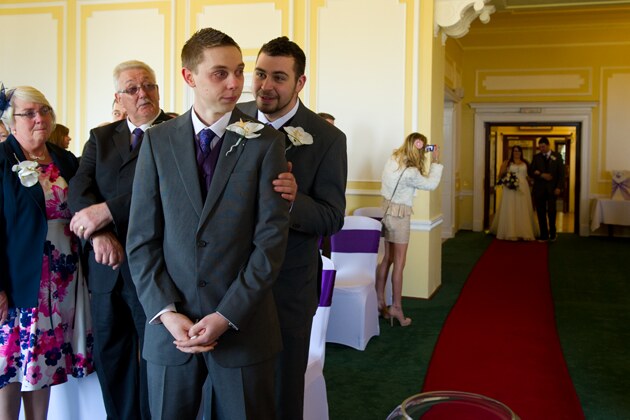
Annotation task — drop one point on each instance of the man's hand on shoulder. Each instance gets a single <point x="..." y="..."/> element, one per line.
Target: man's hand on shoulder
<point x="286" y="185"/>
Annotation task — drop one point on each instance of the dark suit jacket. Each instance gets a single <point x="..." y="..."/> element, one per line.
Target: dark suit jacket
<point x="555" y="168"/>
<point x="222" y="255"/>
<point x="23" y="225"/>
<point x="106" y="175"/>
<point x="320" y="170"/>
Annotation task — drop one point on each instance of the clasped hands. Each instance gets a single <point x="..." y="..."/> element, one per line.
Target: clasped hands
<point x="192" y="337"/>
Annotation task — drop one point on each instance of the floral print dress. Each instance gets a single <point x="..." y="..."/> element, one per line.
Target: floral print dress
<point x="40" y="347"/>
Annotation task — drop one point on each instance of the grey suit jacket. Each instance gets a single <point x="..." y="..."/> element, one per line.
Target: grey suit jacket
<point x="222" y="255"/>
<point x="320" y="170"/>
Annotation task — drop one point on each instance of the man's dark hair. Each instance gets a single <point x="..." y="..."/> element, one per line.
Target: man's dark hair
<point x="543" y="140"/>
<point x="284" y="47"/>
<point x="192" y="53"/>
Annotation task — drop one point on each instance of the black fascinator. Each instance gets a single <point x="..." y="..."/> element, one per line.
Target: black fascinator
<point x="5" y="99"/>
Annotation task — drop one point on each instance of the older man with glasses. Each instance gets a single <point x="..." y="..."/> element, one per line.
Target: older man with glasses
<point x="100" y="194"/>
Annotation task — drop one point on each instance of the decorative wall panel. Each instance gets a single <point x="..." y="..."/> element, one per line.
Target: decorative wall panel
<point x="32" y="51"/>
<point x="616" y="124"/>
<point x="361" y="60"/>
<point x="143" y="38"/>
<point x="544" y="82"/>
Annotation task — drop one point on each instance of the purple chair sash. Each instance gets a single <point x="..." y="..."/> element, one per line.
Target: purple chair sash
<point x="355" y="241"/>
<point x="623" y="187"/>
<point x="328" y="284"/>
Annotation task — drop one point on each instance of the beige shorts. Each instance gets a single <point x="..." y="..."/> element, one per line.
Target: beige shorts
<point x="396" y="228"/>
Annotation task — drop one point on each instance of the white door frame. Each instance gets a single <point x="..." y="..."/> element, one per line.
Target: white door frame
<point x="532" y="112"/>
<point x="448" y="155"/>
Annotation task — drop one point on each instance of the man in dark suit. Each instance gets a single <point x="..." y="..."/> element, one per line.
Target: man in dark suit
<point x="547" y="170"/>
<point x="320" y="169"/>
<point x="206" y="240"/>
<point x="100" y="194"/>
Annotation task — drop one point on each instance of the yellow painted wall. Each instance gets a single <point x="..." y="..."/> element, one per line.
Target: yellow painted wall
<point x="576" y="51"/>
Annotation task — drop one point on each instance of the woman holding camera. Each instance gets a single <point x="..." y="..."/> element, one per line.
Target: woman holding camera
<point x="404" y="172"/>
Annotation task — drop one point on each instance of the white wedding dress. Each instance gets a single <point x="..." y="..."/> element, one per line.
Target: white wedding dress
<point x="514" y="218"/>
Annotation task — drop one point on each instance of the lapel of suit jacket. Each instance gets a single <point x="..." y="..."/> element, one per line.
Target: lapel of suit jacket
<point x="121" y="138"/>
<point x="182" y="140"/>
<point x="36" y="192"/>
<point x="123" y="144"/>
<point x="225" y="164"/>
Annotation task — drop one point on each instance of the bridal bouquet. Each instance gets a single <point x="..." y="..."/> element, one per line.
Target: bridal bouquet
<point x="509" y="180"/>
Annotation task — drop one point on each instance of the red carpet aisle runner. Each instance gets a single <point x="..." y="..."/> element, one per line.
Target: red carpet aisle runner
<point x="500" y="339"/>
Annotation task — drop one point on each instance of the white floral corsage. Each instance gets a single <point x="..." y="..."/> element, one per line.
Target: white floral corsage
<point x="245" y="129"/>
<point x="298" y="137"/>
<point x="27" y="172"/>
<point x="552" y="157"/>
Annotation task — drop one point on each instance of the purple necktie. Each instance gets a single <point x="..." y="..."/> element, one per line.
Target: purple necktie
<point x="136" y="138"/>
<point x="207" y="157"/>
<point x="205" y="140"/>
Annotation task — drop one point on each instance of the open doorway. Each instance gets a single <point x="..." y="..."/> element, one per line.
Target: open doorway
<point x="564" y="138"/>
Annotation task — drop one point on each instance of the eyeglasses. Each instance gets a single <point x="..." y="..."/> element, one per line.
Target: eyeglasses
<point x="43" y="111"/>
<point x="133" y="90"/>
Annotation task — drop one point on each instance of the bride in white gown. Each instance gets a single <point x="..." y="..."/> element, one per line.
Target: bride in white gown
<point x="514" y="218"/>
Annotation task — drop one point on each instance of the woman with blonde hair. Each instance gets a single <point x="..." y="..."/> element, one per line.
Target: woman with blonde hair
<point x="404" y="172"/>
<point x="44" y="321"/>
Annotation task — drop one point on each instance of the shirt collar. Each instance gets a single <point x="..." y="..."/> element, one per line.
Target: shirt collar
<point x="280" y="121"/>
<point x="217" y="128"/>
<point x="143" y="127"/>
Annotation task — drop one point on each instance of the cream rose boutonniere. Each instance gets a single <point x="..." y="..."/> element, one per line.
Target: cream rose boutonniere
<point x="298" y="137"/>
<point x="27" y="172"/>
<point x="245" y="129"/>
<point x="552" y="157"/>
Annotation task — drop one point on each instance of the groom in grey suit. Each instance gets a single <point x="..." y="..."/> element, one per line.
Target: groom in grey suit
<point x="207" y="237"/>
<point x="320" y="169"/>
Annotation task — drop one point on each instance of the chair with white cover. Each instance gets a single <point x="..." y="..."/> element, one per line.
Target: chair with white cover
<point x="377" y="213"/>
<point x="354" y="313"/>
<point x="315" y="397"/>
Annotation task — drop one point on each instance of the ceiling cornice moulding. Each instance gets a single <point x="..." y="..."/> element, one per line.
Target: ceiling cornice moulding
<point x="453" y="17"/>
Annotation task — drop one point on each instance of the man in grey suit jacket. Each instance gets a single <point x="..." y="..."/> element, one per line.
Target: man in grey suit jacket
<point x="320" y="169"/>
<point x="206" y="241"/>
<point x="100" y="194"/>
